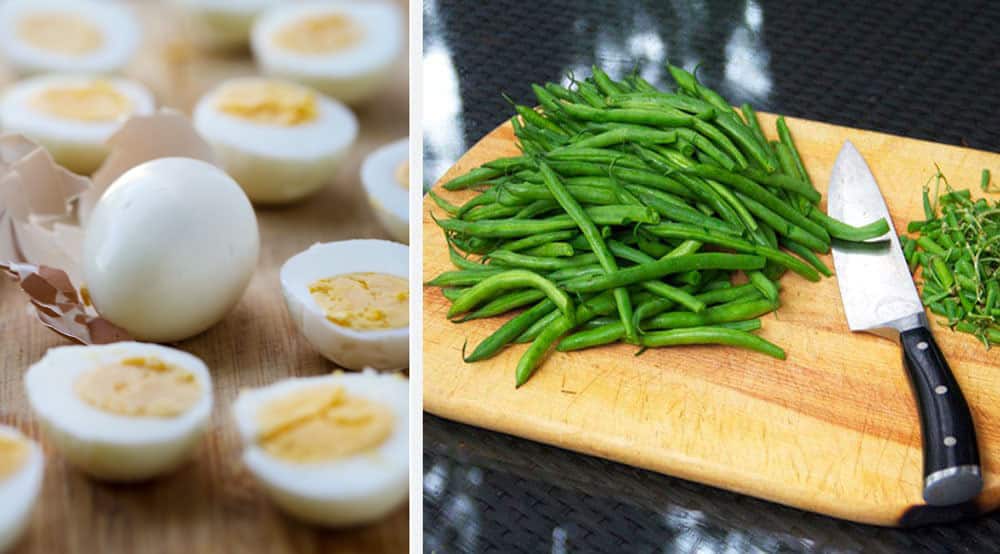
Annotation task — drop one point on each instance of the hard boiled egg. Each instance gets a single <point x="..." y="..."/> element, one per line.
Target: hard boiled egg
<point x="386" y="178"/>
<point x="281" y="141"/>
<point x="351" y="301"/>
<point x="21" y="470"/>
<point x="345" y="49"/>
<point x="169" y="249"/>
<point x="331" y="450"/>
<point x="73" y="116"/>
<point x="223" y="23"/>
<point x="85" y="36"/>
<point x="126" y="411"/>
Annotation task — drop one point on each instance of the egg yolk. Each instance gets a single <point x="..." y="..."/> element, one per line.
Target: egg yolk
<point x="95" y="101"/>
<point x="403" y="174"/>
<point x="320" y="34"/>
<point x="322" y="423"/>
<point x="13" y="455"/>
<point x="364" y="301"/>
<point x="268" y="102"/>
<point x="139" y="387"/>
<point x="60" y="32"/>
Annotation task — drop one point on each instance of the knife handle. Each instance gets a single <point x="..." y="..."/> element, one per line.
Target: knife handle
<point x="951" y="456"/>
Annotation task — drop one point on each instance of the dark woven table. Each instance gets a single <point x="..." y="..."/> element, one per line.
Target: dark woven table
<point x="929" y="70"/>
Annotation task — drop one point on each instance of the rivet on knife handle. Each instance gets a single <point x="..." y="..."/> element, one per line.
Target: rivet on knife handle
<point x="952" y="474"/>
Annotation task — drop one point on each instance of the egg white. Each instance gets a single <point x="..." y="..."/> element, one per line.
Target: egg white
<point x="169" y="249"/>
<point x="276" y="164"/>
<point x="388" y="198"/>
<point x="19" y="491"/>
<point x="223" y="23"/>
<point x="118" y="25"/>
<point x="350" y="75"/>
<point x="78" y="145"/>
<point x="106" y="445"/>
<point x="378" y="348"/>
<point x="349" y="491"/>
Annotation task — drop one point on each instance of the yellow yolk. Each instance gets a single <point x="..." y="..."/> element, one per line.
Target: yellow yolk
<point x="403" y="174"/>
<point x="268" y="102"/>
<point x="13" y="455"/>
<point x="60" y="32"/>
<point x="321" y="34"/>
<point x="364" y="301"/>
<point x="322" y="423"/>
<point x="139" y="387"/>
<point x="94" y="101"/>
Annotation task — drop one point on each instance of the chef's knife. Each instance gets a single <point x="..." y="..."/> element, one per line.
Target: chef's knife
<point x="880" y="297"/>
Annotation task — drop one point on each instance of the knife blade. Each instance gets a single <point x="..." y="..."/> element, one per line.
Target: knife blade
<point x="880" y="297"/>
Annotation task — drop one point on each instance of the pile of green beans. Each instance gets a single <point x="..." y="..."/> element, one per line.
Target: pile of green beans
<point x="625" y="219"/>
<point x="956" y="252"/>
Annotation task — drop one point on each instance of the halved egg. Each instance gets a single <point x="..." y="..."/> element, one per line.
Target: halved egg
<point x="73" y="116"/>
<point x="21" y="470"/>
<point x="386" y="178"/>
<point x="223" y="23"/>
<point x="68" y="36"/>
<point x="125" y="411"/>
<point x="345" y="49"/>
<point x="351" y="300"/>
<point x="281" y="141"/>
<point x="331" y="450"/>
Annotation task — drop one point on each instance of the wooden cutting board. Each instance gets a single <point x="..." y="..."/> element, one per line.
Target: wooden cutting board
<point x="833" y="429"/>
<point x="213" y="503"/>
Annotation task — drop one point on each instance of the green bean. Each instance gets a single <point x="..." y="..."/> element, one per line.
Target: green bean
<point x="463" y="277"/>
<point x="764" y="285"/>
<point x="505" y="303"/>
<point x="539" y="263"/>
<point x="584" y="194"/>
<point x="509" y="331"/>
<point x="451" y="293"/>
<point x="784" y="182"/>
<point x="472" y="178"/>
<point x="531" y="117"/>
<point x="712" y="335"/>
<point x="512" y="279"/>
<point x="658" y="288"/>
<point x="601" y="215"/>
<point x="722" y="313"/>
<point x="705" y="146"/>
<point x="731" y="294"/>
<point x="604" y="82"/>
<point x="595" y="154"/>
<point x="663" y="267"/>
<point x="657" y="118"/>
<point x="594" y="238"/>
<point x="807" y="255"/>
<point x="747" y="325"/>
<point x="462" y="262"/>
<point x="491" y="211"/>
<point x="786" y="138"/>
<point x="448" y="207"/>
<point x="840" y="230"/>
<point x="621" y="135"/>
<point x="551" y="250"/>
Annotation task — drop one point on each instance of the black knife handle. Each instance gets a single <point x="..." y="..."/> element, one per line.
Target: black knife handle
<point x="951" y="456"/>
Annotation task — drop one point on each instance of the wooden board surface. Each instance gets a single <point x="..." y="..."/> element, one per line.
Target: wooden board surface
<point x="833" y="429"/>
<point x="212" y="504"/>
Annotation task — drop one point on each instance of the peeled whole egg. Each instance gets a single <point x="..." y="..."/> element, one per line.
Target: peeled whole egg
<point x="281" y="141"/>
<point x="22" y="467"/>
<point x="68" y="36"/>
<point x="344" y="49"/>
<point x="351" y="301"/>
<point x="331" y="450"/>
<point x="385" y="175"/>
<point x="223" y="23"/>
<point x="125" y="411"/>
<point x="73" y="116"/>
<point x="169" y="249"/>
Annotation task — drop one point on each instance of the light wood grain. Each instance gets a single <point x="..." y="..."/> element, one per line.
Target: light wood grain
<point x="212" y="504"/>
<point x="833" y="429"/>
